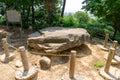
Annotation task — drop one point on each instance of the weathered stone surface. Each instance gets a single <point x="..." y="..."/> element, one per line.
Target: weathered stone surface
<point x="18" y="64"/>
<point x="5" y="59"/>
<point x="31" y="74"/>
<point x="57" y="39"/>
<point x="45" y="63"/>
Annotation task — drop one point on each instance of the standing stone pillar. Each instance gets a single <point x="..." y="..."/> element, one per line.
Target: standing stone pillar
<point x="109" y="60"/>
<point x="26" y="72"/>
<point x="72" y="64"/>
<point x="7" y="56"/>
<point x="115" y="43"/>
<point x="110" y="72"/>
<point x="106" y="40"/>
<point x="24" y="58"/>
<point x="116" y="58"/>
<point x="104" y="47"/>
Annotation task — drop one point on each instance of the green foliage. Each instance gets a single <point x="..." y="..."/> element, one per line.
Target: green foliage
<point x="36" y="13"/>
<point x="98" y="65"/>
<point x="2" y="20"/>
<point x="41" y="18"/>
<point x="68" y="21"/>
<point x="81" y="17"/>
<point x="105" y="9"/>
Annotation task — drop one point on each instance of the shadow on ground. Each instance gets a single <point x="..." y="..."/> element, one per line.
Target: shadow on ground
<point x="82" y="51"/>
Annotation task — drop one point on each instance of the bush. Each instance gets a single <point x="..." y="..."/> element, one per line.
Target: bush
<point x="68" y="21"/>
<point x="82" y="17"/>
<point x="2" y="20"/>
<point x="98" y="65"/>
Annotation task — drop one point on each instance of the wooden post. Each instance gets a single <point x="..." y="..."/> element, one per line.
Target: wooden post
<point x="5" y="47"/>
<point x="106" y="40"/>
<point x="115" y="43"/>
<point x="72" y="64"/>
<point x="24" y="58"/>
<point x="109" y="60"/>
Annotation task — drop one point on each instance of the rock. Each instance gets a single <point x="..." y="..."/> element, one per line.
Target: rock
<point x="32" y="74"/>
<point x="45" y="63"/>
<point x="57" y="39"/>
<point x="18" y="64"/>
<point x="34" y="34"/>
<point x="5" y="59"/>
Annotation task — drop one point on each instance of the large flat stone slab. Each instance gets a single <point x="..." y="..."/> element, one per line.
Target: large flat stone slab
<point x="57" y="39"/>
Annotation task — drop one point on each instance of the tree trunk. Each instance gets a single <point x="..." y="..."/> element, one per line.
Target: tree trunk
<point x="50" y="8"/>
<point x="23" y="17"/>
<point x="33" y="18"/>
<point x="115" y="32"/>
<point x="23" y="12"/>
<point x="63" y="8"/>
<point x="27" y="17"/>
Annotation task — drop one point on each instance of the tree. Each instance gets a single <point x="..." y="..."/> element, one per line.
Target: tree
<point x="25" y="7"/>
<point x="29" y="8"/>
<point x="63" y="8"/>
<point x="82" y="17"/>
<point x="105" y="9"/>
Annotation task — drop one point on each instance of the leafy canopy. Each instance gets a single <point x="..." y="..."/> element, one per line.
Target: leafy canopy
<point x="82" y="17"/>
<point x="105" y="9"/>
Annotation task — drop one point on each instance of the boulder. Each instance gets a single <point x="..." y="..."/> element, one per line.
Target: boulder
<point x="45" y="63"/>
<point x="57" y="39"/>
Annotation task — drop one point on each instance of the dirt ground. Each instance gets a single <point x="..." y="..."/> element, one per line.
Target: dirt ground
<point x="89" y="54"/>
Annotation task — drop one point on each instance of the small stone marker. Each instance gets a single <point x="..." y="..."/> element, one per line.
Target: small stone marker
<point x="7" y="56"/>
<point x="71" y="74"/>
<point x="116" y="59"/>
<point x="109" y="59"/>
<point x="72" y="64"/>
<point x="26" y="72"/>
<point x="109" y="72"/>
<point x="45" y="63"/>
<point x="18" y="64"/>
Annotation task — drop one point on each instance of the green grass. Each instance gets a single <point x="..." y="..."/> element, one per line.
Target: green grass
<point x="98" y="65"/>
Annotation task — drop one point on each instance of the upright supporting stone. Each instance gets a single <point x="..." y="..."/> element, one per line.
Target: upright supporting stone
<point x="72" y="64"/>
<point x="6" y="57"/>
<point x="25" y="73"/>
<point x="110" y="57"/>
<point x="106" y="40"/>
<point x="24" y="58"/>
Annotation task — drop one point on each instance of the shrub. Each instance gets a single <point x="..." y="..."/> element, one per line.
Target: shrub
<point x="2" y="20"/>
<point x="68" y="21"/>
<point x="98" y="65"/>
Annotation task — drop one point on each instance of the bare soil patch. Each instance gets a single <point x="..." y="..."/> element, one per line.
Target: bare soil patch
<point x="90" y="54"/>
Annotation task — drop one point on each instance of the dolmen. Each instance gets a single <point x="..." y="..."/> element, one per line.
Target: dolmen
<point x="57" y="39"/>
